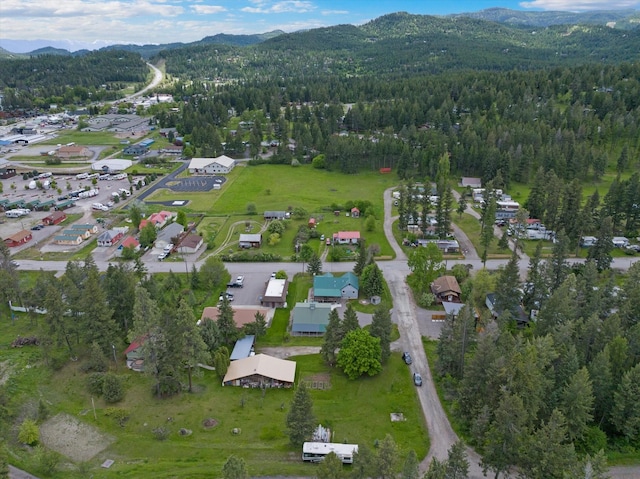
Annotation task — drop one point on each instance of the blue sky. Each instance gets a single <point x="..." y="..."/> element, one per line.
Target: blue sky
<point x="81" y="23"/>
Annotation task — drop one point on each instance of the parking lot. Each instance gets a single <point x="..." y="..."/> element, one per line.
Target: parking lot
<point x="198" y="183"/>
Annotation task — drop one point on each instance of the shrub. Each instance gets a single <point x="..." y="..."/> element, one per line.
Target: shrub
<point x="29" y="433"/>
<point x="97" y="361"/>
<point x="95" y="383"/>
<point x="121" y="416"/>
<point x="161" y="433"/>
<point x="112" y="388"/>
<point x="47" y="460"/>
<point x="426" y="300"/>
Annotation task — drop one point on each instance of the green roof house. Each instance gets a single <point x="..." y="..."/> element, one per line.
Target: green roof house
<point x="310" y="319"/>
<point x="329" y="288"/>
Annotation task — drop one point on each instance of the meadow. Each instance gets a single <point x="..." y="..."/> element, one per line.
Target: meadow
<point x="357" y="411"/>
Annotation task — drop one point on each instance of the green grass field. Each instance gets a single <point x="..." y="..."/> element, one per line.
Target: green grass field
<point x="84" y="138"/>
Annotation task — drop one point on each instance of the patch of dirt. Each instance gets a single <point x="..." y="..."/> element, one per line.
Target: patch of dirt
<point x="76" y="440"/>
<point x="5" y="371"/>
<point x="209" y="423"/>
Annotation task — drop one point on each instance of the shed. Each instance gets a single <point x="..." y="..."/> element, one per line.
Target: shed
<point x="250" y="240"/>
<point x="310" y="319"/>
<point x="355" y="212"/>
<point x="243" y="348"/>
<point x="276" y="215"/>
<point x="261" y="371"/>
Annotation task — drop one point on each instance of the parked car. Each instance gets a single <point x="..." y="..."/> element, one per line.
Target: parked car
<point x="37" y="227"/>
<point x="634" y="247"/>
<point x="240" y="281"/>
<point x="14" y="263"/>
<point x="321" y="237"/>
<point x="406" y="357"/>
<point x="328" y="242"/>
<point x="417" y="379"/>
<point x="273" y="275"/>
<point x="162" y="256"/>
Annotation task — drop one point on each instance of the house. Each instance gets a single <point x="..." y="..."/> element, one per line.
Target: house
<point x="211" y="166"/>
<point x="18" y="239"/>
<point x="54" y="218"/>
<point x="330" y="288"/>
<point x="355" y="212"/>
<point x="171" y="150"/>
<point x="346" y="237"/>
<point x="86" y="229"/>
<point x="130" y="242"/>
<point x="310" y="319"/>
<point x="157" y="219"/>
<point x="73" y="151"/>
<point x="261" y="371"/>
<point x="167" y="234"/>
<point x="136" y="150"/>
<point x="250" y="241"/>
<point x="276" y="215"/>
<point x="190" y="244"/>
<point x="519" y="315"/>
<point x="469" y="182"/>
<point x="588" y="241"/>
<point x="446" y="288"/>
<point x="275" y="294"/>
<point x="311" y="223"/>
<point x="134" y="354"/>
<point x="68" y="237"/>
<point x="110" y="237"/>
<point x="242" y="315"/>
<point x="243" y="348"/>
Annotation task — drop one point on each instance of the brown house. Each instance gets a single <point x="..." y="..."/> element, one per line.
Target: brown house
<point x="446" y="288"/>
<point x="54" y="218"/>
<point x="18" y="239"/>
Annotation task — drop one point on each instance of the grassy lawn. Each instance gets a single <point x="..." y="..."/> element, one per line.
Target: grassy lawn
<point x="259" y="416"/>
<point x="471" y="227"/>
<point x="84" y="138"/>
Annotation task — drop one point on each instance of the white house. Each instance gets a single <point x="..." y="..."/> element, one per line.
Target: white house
<point x="211" y="166"/>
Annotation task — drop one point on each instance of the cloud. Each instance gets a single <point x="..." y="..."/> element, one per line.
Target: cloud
<point x="208" y="9"/>
<point x="334" y="12"/>
<point x="287" y="6"/>
<point x="581" y="5"/>
<point x="52" y="9"/>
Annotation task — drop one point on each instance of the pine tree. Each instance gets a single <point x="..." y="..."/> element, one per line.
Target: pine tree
<point x="314" y="267"/>
<point x="601" y="251"/>
<point x="193" y="349"/>
<point x="411" y="469"/>
<point x="577" y="404"/>
<point x="350" y="320"/>
<point x="332" y="338"/>
<point x="227" y="330"/>
<point x="362" y="259"/>
<point x="372" y="281"/>
<point x="330" y="467"/>
<point x="381" y="328"/>
<point x="300" y="420"/>
<point x="457" y="466"/>
<point x="387" y="458"/>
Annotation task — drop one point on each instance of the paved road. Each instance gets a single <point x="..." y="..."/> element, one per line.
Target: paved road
<point x="157" y="79"/>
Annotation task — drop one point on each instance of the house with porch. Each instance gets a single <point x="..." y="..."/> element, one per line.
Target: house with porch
<point x="18" y="239"/>
<point x="330" y="288"/>
<point x="310" y="319"/>
<point x="54" y="218"/>
<point x="261" y="371"/>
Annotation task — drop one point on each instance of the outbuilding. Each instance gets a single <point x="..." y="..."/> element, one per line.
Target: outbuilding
<point x="250" y="241"/>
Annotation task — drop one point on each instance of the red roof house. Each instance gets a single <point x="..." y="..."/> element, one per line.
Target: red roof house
<point x="54" y="218"/>
<point x="346" y="237"/>
<point x="18" y="239"/>
<point x="130" y="242"/>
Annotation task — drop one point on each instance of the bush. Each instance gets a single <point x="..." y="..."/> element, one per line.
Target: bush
<point x="29" y="433"/>
<point x="426" y="300"/>
<point x="112" y="388"/>
<point x="95" y="383"/>
<point x="161" y="433"/>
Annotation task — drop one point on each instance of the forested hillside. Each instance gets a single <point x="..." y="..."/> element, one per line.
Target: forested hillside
<point x="68" y="79"/>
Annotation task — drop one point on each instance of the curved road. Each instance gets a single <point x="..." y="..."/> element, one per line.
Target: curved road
<point x="157" y="79"/>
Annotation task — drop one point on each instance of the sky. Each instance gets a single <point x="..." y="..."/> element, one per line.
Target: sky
<point x="95" y="23"/>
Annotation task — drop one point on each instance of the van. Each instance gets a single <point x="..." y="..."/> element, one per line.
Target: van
<point x="97" y="206"/>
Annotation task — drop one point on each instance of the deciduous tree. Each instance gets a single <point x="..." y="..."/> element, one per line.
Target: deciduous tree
<point x="359" y="354"/>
